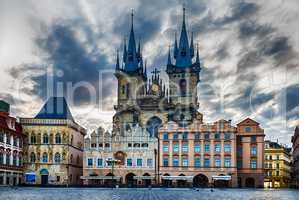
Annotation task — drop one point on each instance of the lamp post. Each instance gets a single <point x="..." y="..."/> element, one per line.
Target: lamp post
<point x="112" y="162"/>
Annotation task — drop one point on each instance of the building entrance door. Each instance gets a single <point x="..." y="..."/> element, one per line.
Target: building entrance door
<point x="44" y="179"/>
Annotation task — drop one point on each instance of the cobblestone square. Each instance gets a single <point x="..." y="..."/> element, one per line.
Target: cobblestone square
<point x="143" y="194"/>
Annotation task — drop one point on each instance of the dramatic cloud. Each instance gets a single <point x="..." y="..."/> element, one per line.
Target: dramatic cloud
<point x="248" y="50"/>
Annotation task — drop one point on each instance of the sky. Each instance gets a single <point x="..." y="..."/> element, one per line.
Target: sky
<point x="248" y="51"/>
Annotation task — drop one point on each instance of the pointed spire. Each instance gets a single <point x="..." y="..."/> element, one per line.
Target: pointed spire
<point x="132" y="43"/>
<point x="145" y="70"/>
<point x="139" y="49"/>
<point x="117" y="60"/>
<point x="175" y="50"/>
<point x="169" y="57"/>
<point x="192" y="46"/>
<point x="197" y="54"/>
<point x="125" y="50"/>
<point x="184" y="58"/>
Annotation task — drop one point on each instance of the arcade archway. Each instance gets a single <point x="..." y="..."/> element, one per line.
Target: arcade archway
<point x="130" y="181"/>
<point x="200" y="180"/>
<point x="250" y="182"/>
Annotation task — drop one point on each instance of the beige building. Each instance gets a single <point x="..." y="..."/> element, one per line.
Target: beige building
<point x="53" y="152"/>
<point x="127" y="159"/>
<point x="277" y="165"/>
<point x="11" y="148"/>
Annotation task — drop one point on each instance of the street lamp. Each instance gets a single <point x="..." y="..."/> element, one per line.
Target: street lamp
<point x="112" y="162"/>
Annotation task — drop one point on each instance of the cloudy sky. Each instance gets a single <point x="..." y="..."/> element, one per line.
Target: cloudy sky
<point x="249" y="51"/>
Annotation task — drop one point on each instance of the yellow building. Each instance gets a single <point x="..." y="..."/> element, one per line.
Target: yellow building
<point x="277" y="165"/>
<point x="53" y="151"/>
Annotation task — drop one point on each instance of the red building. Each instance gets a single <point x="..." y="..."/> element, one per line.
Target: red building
<point x="11" y="144"/>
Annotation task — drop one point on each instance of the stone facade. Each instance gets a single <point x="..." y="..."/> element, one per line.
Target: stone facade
<point x="133" y="152"/>
<point x="11" y="148"/>
<point x="53" y="152"/>
<point x="295" y="155"/>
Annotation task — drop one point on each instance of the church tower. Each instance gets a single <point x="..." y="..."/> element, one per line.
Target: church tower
<point x="132" y="79"/>
<point x="184" y="75"/>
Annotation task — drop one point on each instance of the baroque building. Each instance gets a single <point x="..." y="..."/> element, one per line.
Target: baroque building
<point x="53" y="151"/>
<point x="11" y="148"/>
<point x="277" y="165"/>
<point x="131" y="154"/>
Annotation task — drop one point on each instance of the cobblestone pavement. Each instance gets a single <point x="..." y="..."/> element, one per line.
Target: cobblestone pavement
<point x="142" y="194"/>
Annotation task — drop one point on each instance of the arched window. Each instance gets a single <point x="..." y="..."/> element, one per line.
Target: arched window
<point x="45" y="157"/>
<point x="183" y="87"/>
<point x="57" y="158"/>
<point x="32" y="157"/>
<point x="153" y="125"/>
<point x="33" y="138"/>
<point x="45" y="138"/>
<point x="58" y="138"/>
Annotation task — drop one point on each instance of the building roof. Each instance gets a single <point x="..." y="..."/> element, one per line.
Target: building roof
<point x="4" y="125"/>
<point x="55" y="108"/>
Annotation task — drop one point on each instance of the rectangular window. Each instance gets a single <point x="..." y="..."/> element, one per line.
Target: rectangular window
<point x="185" y="148"/>
<point x="175" y="136"/>
<point x="239" y="151"/>
<point x="89" y="162"/>
<point x="277" y="173"/>
<point x="277" y="157"/>
<point x="217" y="136"/>
<point x="165" y="148"/>
<point x="165" y="162"/>
<point x="150" y="162"/>
<point x="277" y="165"/>
<point x="217" y="162"/>
<point x="207" y="162"/>
<point x="196" y="162"/>
<point x="139" y="162"/>
<point x="197" y="136"/>
<point x="165" y="136"/>
<point x="175" y="162"/>
<point x="253" y="164"/>
<point x="207" y="136"/>
<point x="217" y="148"/>
<point x="197" y="148"/>
<point x="185" y="136"/>
<point x="253" y="139"/>
<point x="227" y="162"/>
<point x="253" y="151"/>
<point x="185" y="162"/>
<point x="100" y="162"/>
<point x="207" y="148"/>
<point x="176" y="148"/>
<point x="227" y="148"/>
<point x="227" y="136"/>
<point x="129" y="162"/>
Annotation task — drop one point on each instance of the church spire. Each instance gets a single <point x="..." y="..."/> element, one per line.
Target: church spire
<point x="184" y="58"/>
<point x="192" y="46"/>
<point x="197" y="55"/>
<point x="132" y="58"/>
<point x="125" y="51"/>
<point x="117" y="61"/>
<point x="169" y="57"/>
<point x="175" y="50"/>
